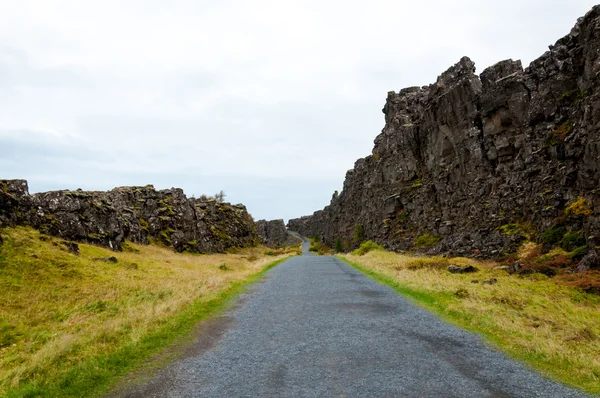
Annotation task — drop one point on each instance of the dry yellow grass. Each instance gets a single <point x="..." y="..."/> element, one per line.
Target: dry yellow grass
<point x="552" y="327"/>
<point x="58" y="310"/>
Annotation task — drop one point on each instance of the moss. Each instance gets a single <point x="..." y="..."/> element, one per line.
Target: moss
<point x="578" y="209"/>
<point x="144" y="225"/>
<point x="166" y="235"/>
<point x="359" y="233"/>
<point x="509" y="229"/>
<point x="418" y="183"/>
<point x="94" y="236"/>
<point x="524" y="229"/>
<point x="376" y="156"/>
<point x="578" y="253"/>
<point x="167" y="210"/>
<point x="426" y="241"/>
<point x="572" y="240"/>
<point x="220" y="233"/>
<point x="553" y="235"/>
<point x="165" y="218"/>
<point x="574" y="95"/>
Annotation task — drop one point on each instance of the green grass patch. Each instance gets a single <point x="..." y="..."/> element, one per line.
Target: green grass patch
<point x="448" y="305"/>
<point x="95" y="376"/>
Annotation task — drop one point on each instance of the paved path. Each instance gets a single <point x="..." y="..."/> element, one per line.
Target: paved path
<point x="318" y="328"/>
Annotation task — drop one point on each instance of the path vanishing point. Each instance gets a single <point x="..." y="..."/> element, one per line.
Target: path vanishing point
<point x="315" y="327"/>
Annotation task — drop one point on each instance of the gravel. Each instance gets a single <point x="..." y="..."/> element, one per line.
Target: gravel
<point x="316" y="327"/>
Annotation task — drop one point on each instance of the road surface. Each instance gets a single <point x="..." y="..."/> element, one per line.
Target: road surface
<point x="316" y="327"/>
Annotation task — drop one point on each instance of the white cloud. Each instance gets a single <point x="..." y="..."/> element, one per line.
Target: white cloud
<point x="270" y="100"/>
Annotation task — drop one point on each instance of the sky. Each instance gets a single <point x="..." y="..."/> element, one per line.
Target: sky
<point x="269" y="101"/>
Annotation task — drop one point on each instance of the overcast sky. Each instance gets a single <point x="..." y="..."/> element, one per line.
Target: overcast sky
<point x="270" y="101"/>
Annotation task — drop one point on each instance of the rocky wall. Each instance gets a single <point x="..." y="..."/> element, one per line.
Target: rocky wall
<point x="139" y="214"/>
<point x="476" y="164"/>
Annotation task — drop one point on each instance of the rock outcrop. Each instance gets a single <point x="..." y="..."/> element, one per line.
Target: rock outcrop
<point x="479" y="163"/>
<point x="139" y="214"/>
<point x="274" y="234"/>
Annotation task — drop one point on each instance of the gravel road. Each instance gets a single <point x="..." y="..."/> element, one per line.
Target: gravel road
<point x="318" y="328"/>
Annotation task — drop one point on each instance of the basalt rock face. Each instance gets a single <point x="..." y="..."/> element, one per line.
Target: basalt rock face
<point x="274" y="234"/>
<point x="139" y="214"/>
<point x="482" y="161"/>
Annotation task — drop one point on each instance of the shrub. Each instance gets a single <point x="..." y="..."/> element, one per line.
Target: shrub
<point x="578" y="253"/>
<point x="319" y="248"/>
<point x="426" y="241"/>
<point x="339" y="246"/>
<point x="366" y="247"/>
<point x="553" y="235"/>
<point x="359" y="233"/>
<point x="572" y="240"/>
<point x="578" y="209"/>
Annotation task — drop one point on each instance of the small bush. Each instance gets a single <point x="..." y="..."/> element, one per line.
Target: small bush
<point x="359" y="233"/>
<point x="339" y="245"/>
<point x="366" y="247"/>
<point x="426" y="241"/>
<point x="572" y="240"/>
<point x="578" y="253"/>
<point x="578" y="209"/>
<point x="553" y="235"/>
<point x="319" y="248"/>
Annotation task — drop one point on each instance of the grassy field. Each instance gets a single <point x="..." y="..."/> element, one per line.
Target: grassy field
<point x="552" y="327"/>
<point x="71" y="325"/>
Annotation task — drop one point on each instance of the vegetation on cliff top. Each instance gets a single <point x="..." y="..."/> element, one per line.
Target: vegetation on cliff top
<point x="69" y="325"/>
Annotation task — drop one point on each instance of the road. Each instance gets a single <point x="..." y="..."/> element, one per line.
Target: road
<point x="316" y="327"/>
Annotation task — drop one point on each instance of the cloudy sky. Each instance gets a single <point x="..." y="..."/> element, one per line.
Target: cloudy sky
<point x="270" y="101"/>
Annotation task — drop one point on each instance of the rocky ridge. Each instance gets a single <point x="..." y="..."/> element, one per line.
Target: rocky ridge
<point x="138" y="214"/>
<point x="274" y="234"/>
<point x="476" y="164"/>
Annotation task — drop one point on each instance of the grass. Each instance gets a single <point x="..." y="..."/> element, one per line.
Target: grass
<point x="550" y="326"/>
<point x="319" y="247"/>
<point x="426" y="241"/>
<point x="366" y="247"/>
<point x="70" y="326"/>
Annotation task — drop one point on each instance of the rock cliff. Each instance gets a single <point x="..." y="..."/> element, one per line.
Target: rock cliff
<point x="139" y="214"/>
<point x="475" y="164"/>
<point x="274" y="234"/>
